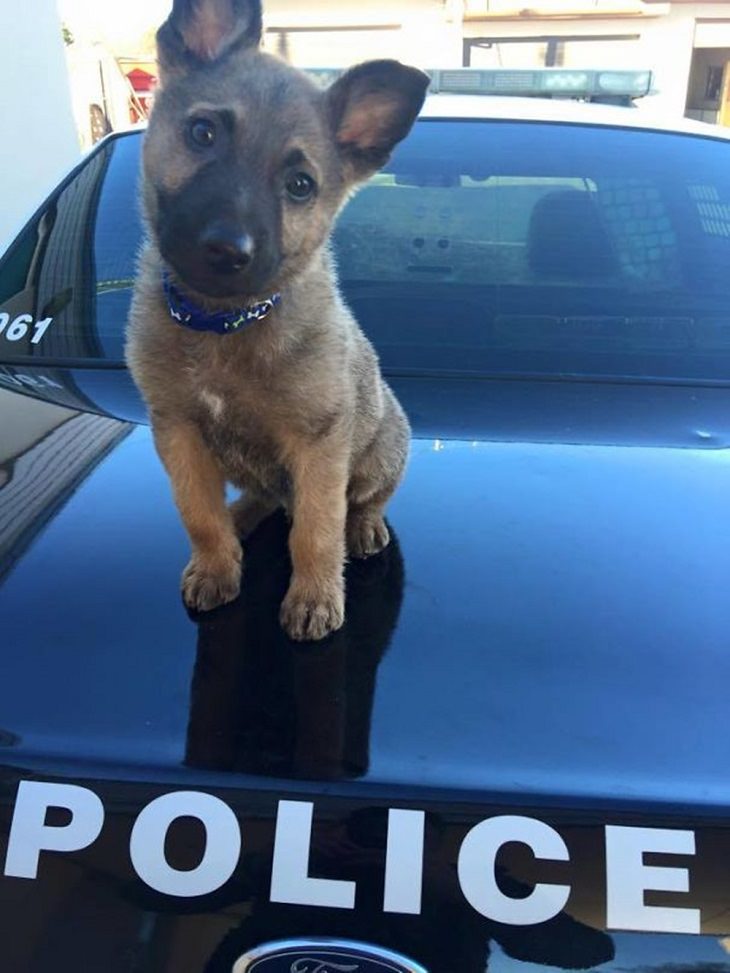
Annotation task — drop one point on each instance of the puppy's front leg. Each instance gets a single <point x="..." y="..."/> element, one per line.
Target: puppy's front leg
<point x="314" y="605"/>
<point x="213" y="575"/>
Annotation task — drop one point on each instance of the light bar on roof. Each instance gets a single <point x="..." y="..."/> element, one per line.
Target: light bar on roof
<point x="540" y="82"/>
<point x="548" y="82"/>
<point x="566" y="81"/>
<point x="632" y="83"/>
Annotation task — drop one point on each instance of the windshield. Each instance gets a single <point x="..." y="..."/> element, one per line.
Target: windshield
<point x="485" y="247"/>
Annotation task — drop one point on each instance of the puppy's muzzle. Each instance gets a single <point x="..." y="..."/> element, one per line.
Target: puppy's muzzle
<point x="226" y="249"/>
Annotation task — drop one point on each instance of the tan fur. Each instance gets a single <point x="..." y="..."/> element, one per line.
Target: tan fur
<point x="213" y="575"/>
<point x="293" y="409"/>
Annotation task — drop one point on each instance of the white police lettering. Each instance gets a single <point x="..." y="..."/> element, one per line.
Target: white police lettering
<point x="18" y="328"/>
<point x="476" y="867"/>
<point x="404" y="862"/>
<point x="29" y="833"/>
<point x="290" y="879"/>
<point x="222" y="844"/>
<point x="627" y="878"/>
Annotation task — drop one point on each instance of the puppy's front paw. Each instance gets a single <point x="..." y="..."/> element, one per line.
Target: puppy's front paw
<point x="366" y="535"/>
<point x="209" y="581"/>
<point x="308" y="614"/>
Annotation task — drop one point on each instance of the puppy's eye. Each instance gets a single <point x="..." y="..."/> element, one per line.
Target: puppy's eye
<point x="202" y="132"/>
<point x="300" y="186"/>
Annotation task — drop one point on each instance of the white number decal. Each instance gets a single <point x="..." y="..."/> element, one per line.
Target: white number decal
<point x="40" y="329"/>
<point x="32" y="381"/>
<point x="20" y="326"/>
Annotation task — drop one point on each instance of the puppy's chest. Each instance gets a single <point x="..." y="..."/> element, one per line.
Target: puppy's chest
<point x="237" y="430"/>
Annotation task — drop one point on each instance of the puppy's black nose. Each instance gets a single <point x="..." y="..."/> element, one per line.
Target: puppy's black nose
<point x="226" y="249"/>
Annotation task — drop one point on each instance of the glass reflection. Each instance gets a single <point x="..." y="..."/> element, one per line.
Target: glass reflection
<point x="72" y="267"/>
<point x="44" y="439"/>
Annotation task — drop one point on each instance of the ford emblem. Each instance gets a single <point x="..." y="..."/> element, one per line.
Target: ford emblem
<point x="323" y="956"/>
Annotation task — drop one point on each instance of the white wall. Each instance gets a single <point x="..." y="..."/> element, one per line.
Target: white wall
<point x="39" y="141"/>
<point x="668" y="52"/>
<point x="426" y="33"/>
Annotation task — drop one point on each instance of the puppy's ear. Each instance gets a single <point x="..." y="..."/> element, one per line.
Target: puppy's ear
<point x="202" y="31"/>
<point x="372" y="107"/>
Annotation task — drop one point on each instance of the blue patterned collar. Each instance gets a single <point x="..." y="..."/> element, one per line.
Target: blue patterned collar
<point x="189" y="315"/>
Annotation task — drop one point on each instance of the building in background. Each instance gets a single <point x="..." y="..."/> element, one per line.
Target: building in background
<point x="685" y="43"/>
<point x="109" y="92"/>
<point x="708" y="96"/>
<point x="142" y="76"/>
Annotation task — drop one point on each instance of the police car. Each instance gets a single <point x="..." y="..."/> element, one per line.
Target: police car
<point x="514" y="754"/>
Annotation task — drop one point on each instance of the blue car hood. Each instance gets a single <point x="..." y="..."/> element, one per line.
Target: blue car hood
<point x="551" y="619"/>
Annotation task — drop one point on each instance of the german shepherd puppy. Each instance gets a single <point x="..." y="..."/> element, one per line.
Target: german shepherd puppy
<point x="246" y="164"/>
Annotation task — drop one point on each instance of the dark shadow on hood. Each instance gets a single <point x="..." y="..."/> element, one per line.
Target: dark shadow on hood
<point x="263" y="704"/>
